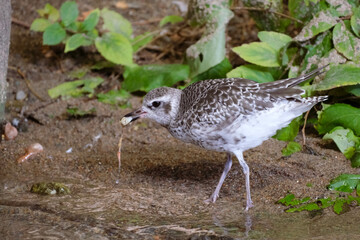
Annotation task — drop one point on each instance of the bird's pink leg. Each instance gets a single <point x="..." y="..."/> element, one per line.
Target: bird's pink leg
<point x="227" y="168"/>
<point x="246" y="171"/>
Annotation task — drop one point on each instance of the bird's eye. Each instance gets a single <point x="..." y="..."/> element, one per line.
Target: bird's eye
<point x="155" y="103"/>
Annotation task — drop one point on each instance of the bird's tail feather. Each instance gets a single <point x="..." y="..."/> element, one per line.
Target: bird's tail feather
<point x="290" y="82"/>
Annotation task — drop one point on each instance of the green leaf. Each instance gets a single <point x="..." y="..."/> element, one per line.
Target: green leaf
<point x="141" y="40"/>
<point x="317" y="51"/>
<point x="75" y="41"/>
<point x="75" y="112"/>
<point x="321" y="23"/>
<point x="302" y="10"/>
<point x="274" y="39"/>
<point x="170" y="19"/>
<point x="91" y="20"/>
<point x="218" y="71"/>
<point x="355" y="21"/>
<point x="76" y="88"/>
<point x="69" y="12"/>
<point x="338" y="205"/>
<point x="345" y="183"/>
<point x="114" y="22"/>
<point x="251" y="72"/>
<point x="307" y="207"/>
<point x="339" y="76"/>
<point x="355" y="90"/>
<point x="290" y="200"/>
<point x="287" y="200"/>
<point x="114" y="97"/>
<point x="289" y="132"/>
<point x="148" y="77"/>
<point x="358" y="190"/>
<point x="345" y="140"/>
<point x="103" y="64"/>
<point x="115" y="48"/>
<point x="49" y="12"/>
<point x="339" y="114"/>
<point x="355" y="160"/>
<point x="291" y="147"/>
<point x="78" y="73"/>
<point x="54" y="34"/>
<point x="209" y="50"/>
<point x="259" y="53"/>
<point x="40" y="24"/>
<point x="268" y="21"/>
<point x="345" y="42"/>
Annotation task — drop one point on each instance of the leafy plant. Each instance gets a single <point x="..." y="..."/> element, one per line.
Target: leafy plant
<point x="343" y="183"/>
<point x="115" y="97"/>
<point x="113" y="40"/>
<point x="75" y="112"/>
<point x="76" y="88"/>
<point x="320" y="41"/>
<point x="341" y="123"/>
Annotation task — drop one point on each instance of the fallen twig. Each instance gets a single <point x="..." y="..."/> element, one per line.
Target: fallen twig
<point x="20" y="23"/>
<point x="28" y="84"/>
<point x="303" y="129"/>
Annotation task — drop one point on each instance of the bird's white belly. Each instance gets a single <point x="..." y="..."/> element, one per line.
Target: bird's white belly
<point x="251" y="130"/>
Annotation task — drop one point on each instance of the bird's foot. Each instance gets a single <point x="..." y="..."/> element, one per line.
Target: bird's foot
<point x="212" y="199"/>
<point x="249" y="204"/>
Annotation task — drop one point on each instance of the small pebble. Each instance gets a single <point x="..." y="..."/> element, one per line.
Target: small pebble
<point x="10" y="132"/>
<point x="20" y="95"/>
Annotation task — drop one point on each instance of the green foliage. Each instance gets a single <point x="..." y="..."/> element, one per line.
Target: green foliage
<point x="340" y="76"/>
<point x="289" y="133"/>
<point x="355" y="22"/>
<point x="306" y="204"/>
<point x="115" y="97"/>
<point x="327" y="36"/>
<point x="248" y="71"/>
<point x="147" y="77"/>
<point x="75" y="112"/>
<point x="91" y="20"/>
<point x="116" y="23"/>
<point x="345" y="139"/>
<point x="339" y="115"/>
<point x="217" y="71"/>
<point x="341" y="123"/>
<point x="170" y="19"/>
<point x="54" y="34"/>
<point x="40" y="24"/>
<point x="346" y="42"/>
<point x="68" y="12"/>
<point x="115" y="48"/>
<point x="76" y="88"/>
<point x="265" y="53"/>
<point x="141" y="40"/>
<point x="75" y="41"/>
<point x="291" y="147"/>
<point x="115" y="45"/>
<point x="50" y="12"/>
<point x="346" y="183"/>
<point x="50" y="188"/>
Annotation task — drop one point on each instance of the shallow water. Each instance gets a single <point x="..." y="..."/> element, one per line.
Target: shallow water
<point x="100" y="212"/>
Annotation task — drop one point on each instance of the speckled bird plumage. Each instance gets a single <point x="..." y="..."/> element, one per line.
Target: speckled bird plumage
<point x="228" y="115"/>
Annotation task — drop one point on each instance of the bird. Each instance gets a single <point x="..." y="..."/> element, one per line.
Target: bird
<point x="228" y="115"/>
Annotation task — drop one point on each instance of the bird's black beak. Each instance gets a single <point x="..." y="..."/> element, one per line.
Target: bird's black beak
<point x="130" y="117"/>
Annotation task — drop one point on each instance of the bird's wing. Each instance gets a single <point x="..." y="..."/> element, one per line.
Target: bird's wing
<point x="214" y="102"/>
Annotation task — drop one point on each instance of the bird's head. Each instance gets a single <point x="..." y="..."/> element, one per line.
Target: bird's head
<point x="160" y="105"/>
